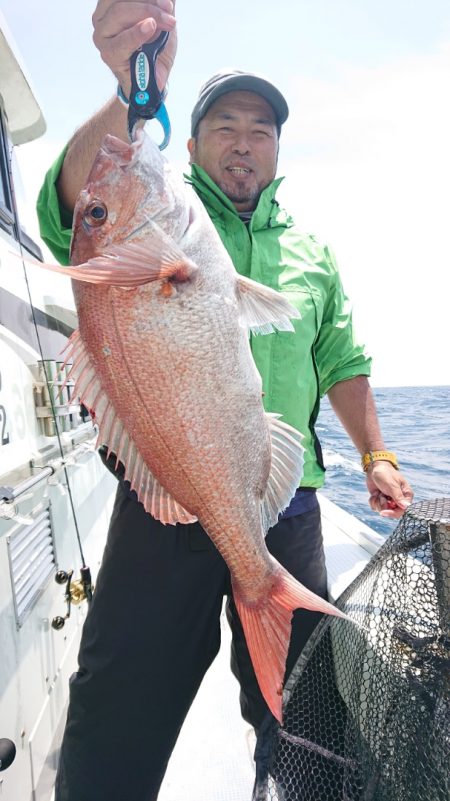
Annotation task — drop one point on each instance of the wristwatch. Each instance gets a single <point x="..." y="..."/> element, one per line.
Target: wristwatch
<point x="378" y="456"/>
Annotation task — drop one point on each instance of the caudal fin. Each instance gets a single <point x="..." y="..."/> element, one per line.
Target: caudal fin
<point x="267" y="629"/>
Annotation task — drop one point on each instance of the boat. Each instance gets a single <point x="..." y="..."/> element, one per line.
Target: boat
<point x="55" y="502"/>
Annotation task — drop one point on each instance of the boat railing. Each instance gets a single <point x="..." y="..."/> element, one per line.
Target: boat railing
<point x="9" y="493"/>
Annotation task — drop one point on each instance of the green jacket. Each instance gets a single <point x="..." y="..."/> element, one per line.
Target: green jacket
<point x="296" y="368"/>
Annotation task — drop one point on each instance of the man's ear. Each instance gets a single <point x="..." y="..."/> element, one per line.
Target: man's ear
<point x="191" y="147"/>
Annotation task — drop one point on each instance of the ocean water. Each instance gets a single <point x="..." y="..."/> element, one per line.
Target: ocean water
<point x="415" y="422"/>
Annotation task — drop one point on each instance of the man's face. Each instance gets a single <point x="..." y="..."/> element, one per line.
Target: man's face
<point x="237" y="145"/>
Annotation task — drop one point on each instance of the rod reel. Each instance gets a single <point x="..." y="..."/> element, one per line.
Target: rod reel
<point x="76" y="592"/>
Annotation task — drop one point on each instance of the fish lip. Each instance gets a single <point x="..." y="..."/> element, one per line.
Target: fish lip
<point x="122" y="154"/>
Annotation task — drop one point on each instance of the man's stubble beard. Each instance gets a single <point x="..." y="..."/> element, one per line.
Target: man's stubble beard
<point x="242" y="194"/>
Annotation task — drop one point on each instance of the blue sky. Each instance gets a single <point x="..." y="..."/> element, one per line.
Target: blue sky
<point x="365" y="150"/>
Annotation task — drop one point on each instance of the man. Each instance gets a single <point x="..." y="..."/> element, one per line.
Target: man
<point x="153" y="627"/>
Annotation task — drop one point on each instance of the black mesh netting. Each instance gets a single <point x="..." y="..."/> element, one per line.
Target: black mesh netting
<point x="367" y="712"/>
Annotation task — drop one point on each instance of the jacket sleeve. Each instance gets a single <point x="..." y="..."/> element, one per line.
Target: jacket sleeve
<point x="55" y="222"/>
<point x="338" y="354"/>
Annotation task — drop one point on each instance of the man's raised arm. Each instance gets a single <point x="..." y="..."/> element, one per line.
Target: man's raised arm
<point x="120" y="28"/>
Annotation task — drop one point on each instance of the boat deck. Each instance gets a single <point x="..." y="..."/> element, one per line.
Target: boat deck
<point x="213" y="758"/>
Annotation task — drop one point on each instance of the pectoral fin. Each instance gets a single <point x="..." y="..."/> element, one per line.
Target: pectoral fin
<point x="135" y="264"/>
<point x="132" y="264"/>
<point x="263" y="310"/>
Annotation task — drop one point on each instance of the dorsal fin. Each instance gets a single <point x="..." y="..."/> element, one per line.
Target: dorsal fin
<point x="112" y="433"/>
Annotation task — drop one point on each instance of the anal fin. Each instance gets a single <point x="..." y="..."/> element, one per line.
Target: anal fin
<point x="286" y="469"/>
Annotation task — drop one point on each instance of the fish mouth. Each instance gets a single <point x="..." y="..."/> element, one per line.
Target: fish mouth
<point x="123" y="154"/>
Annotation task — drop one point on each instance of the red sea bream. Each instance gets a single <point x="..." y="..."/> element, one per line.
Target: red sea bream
<point x="162" y="360"/>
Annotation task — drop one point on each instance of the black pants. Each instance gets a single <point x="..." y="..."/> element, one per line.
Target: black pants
<point x="152" y="631"/>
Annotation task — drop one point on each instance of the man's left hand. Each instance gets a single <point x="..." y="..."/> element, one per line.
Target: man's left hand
<point x="389" y="493"/>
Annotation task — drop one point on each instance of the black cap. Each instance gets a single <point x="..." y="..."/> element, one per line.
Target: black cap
<point x="230" y="80"/>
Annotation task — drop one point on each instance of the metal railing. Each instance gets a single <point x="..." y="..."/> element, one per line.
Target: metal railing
<point x="11" y="493"/>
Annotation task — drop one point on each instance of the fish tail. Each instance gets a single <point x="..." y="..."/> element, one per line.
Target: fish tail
<point x="267" y="629"/>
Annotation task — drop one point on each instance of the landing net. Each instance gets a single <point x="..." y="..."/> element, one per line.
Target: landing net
<point x="367" y="712"/>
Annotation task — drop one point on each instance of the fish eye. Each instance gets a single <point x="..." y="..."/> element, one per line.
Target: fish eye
<point x="95" y="213"/>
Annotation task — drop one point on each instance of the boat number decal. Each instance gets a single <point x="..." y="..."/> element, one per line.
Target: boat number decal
<point x="4" y="437"/>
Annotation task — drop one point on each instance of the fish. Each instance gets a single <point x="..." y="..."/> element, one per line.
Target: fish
<point x="163" y="362"/>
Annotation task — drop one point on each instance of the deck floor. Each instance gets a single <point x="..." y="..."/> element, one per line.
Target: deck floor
<point x="213" y="758"/>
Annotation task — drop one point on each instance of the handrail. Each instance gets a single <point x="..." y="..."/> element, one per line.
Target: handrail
<point x="9" y="494"/>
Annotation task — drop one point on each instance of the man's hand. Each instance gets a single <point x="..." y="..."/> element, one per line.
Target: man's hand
<point x="122" y="26"/>
<point x="390" y="493"/>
